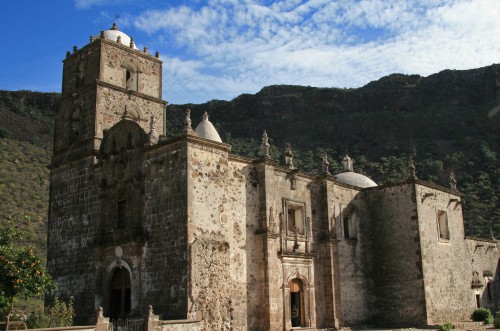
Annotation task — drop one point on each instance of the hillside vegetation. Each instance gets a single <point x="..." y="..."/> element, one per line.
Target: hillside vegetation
<point x="448" y="120"/>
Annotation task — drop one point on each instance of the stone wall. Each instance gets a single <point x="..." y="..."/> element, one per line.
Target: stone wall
<point x="95" y="95"/>
<point x="81" y="68"/>
<point x="75" y="111"/>
<point x="164" y="218"/>
<point x="395" y="259"/>
<point x="112" y="103"/>
<point x="451" y="266"/>
<point x="484" y="261"/>
<point x="116" y="57"/>
<point x="351" y="266"/>
<point x="72" y="227"/>
<point x="221" y="207"/>
<point x="287" y="256"/>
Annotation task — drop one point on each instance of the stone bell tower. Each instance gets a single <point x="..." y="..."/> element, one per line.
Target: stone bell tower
<point x="106" y="80"/>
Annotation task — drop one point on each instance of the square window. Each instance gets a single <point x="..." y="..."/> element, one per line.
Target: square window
<point x="442" y="223"/>
<point x="295" y="218"/>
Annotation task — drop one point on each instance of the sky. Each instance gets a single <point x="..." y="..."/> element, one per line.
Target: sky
<point x="219" y="49"/>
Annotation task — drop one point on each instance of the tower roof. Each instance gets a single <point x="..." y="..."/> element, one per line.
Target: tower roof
<point x="207" y="130"/>
<point x="114" y="32"/>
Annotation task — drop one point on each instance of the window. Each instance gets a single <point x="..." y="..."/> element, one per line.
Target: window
<point x="131" y="80"/>
<point x="121" y="214"/>
<point x="442" y="222"/>
<point x="346" y="227"/>
<point x="478" y="301"/>
<point x="75" y="126"/>
<point x="295" y="218"/>
<point x="349" y="227"/>
<point x="131" y="73"/>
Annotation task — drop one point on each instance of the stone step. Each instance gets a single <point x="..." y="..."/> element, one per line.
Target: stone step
<point x="468" y="325"/>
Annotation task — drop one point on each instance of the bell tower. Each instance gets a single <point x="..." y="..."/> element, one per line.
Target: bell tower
<point x="103" y="82"/>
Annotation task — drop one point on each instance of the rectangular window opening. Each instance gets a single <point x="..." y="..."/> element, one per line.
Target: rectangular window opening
<point x="295" y="212"/>
<point x="122" y="214"/>
<point x="443" y="228"/>
<point x="349" y="224"/>
<point x="346" y="227"/>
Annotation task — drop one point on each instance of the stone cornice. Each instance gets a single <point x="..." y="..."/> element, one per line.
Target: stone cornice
<point x="237" y="158"/>
<point x="127" y="91"/>
<point x="124" y="47"/>
<point x="415" y="182"/>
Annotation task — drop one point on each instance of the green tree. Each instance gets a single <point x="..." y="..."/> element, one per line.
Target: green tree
<point x="23" y="273"/>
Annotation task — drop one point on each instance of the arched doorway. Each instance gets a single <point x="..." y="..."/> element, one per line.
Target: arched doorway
<point x="120" y="294"/>
<point x="297" y="302"/>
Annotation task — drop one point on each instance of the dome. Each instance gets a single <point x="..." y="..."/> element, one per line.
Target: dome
<point x="355" y="179"/>
<point x="113" y="33"/>
<point x="207" y="130"/>
<point x="352" y="178"/>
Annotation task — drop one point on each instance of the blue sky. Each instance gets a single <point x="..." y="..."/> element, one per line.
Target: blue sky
<point x="219" y="49"/>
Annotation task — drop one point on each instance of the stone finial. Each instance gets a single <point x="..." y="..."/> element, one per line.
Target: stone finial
<point x="453" y="181"/>
<point x="205" y="116"/>
<point x="114" y="27"/>
<point x="101" y="35"/>
<point x="325" y="164"/>
<point x="68" y="53"/>
<point x="119" y="39"/>
<point x="150" y="310"/>
<point x="289" y="156"/>
<point x="132" y="45"/>
<point x="100" y="312"/>
<point x="75" y="49"/>
<point x="265" y="145"/>
<point x="157" y="54"/>
<point x="347" y="163"/>
<point x="187" y="121"/>
<point x="411" y="167"/>
<point x="92" y="38"/>
<point x="145" y="50"/>
<point x="152" y="135"/>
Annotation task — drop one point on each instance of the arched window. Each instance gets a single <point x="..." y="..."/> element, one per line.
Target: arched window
<point x="297" y="302"/>
<point x="120" y="294"/>
<point x="131" y="75"/>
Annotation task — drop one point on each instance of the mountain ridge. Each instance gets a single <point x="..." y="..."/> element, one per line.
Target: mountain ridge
<point x="448" y="120"/>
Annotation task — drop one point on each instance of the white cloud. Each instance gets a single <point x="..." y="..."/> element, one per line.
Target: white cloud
<point x="224" y="48"/>
<point x="86" y="4"/>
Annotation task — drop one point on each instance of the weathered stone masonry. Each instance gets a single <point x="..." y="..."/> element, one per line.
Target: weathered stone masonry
<point x="217" y="241"/>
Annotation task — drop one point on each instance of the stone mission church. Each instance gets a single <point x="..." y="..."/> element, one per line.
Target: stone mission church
<point x="216" y="241"/>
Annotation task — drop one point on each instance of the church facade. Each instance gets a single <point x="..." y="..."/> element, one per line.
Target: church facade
<point x="226" y="242"/>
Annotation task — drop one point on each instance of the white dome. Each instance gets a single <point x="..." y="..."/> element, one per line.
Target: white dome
<point x="207" y="130"/>
<point x="355" y="179"/>
<point x="113" y="33"/>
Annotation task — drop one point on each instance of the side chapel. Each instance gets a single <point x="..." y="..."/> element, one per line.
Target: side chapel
<point x="226" y="242"/>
